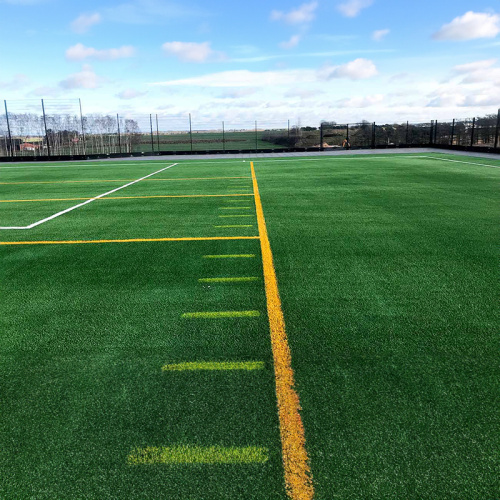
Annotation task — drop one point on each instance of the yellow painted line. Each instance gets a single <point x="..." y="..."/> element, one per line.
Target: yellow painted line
<point x="120" y="180"/>
<point x="214" y="366"/>
<point x="238" y="225"/>
<point x="152" y="455"/>
<point x="229" y="279"/>
<point x="133" y="197"/>
<point x="198" y="178"/>
<point x="221" y="314"/>
<point x="134" y="240"/>
<point x="237" y="215"/>
<point x="230" y="256"/>
<point x="298" y="478"/>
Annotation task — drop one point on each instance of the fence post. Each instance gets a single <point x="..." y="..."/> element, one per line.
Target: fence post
<point x="472" y="131"/>
<point x="497" y="129"/>
<point x="373" y="135"/>
<point x="223" y="137"/>
<point x="45" y="126"/>
<point x="288" y="133"/>
<point x="10" y="148"/>
<point x="255" y="135"/>
<point x="347" y="127"/>
<point x="321" y="136"/>
<point x="119" y="137"/>
<point x="83" y="130"/>
<point x="190" y="132"/>
<point x="157" y="134"/>
<point x="152" y="138"/>
<point x="407" y="132"/>
<point x="435" y="131"/>
<point x="452" y="132"/>
<point x="431" y="132"/>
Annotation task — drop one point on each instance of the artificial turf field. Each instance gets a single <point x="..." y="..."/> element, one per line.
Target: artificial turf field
<point x="111" y="386"/>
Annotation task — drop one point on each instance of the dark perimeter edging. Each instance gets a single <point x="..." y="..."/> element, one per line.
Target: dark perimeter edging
<point x="25" y="159"/>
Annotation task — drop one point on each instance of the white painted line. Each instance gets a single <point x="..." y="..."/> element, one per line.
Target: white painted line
<point x="88" y="201"/>
<point x="458" y="161"/>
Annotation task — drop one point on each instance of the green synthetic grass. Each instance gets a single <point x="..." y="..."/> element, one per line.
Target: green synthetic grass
<point x="386" y="265"/>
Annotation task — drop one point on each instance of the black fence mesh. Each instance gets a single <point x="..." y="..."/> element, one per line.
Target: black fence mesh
<point x="43" y="128"/>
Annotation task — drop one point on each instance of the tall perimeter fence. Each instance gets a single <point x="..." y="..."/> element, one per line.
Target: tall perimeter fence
<point x="41" y="129"/>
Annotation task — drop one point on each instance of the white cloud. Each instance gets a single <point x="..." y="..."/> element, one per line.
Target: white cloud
<point x="191" y="51"/>
<point x="377" y="35"/>
<point x="491" y="98"/>
<point x="479" y="72"/>
<point x="446" y="101"/>
<point x="46" y="91"/>
<point x="301" y="15"/>
<point x="85" y="79"/>
<point x="352" y="8"/>
<point x="290" y="44"/>
<point x="245" y="78"/>
<point x="483" y="76"/>
<point x="18" y="81"/>
<point x="359" y="69"/>
<point x="360" y="102"/>
<point x="303" y="93"/>
<point x="84" y="22"/>
<point x="130" y="94"/>
<point x="238" y="93"/>
<point x="474" y="66"/>
<point x="79" y="52"/>
<point x="470" y="26"/>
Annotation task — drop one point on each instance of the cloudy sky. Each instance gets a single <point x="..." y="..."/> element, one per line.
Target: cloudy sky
<point x="342" y="60"/>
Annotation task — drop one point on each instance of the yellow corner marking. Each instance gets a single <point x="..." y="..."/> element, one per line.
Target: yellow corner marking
<point x="231" y="256"/>
<point x="221" y="314"/>
<point x="235" y="279"/>
<point x="152" y="455"/>
<point x="298" y="478"/>
<point x="214" y="366"/>
<point x="134" y="240"/>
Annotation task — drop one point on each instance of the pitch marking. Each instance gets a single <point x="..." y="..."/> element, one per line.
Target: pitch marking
<point x="134" y="240"/>
<point x="298" y="478"/>
<point x="221" y="314"/>
<point x="62" y="212"/>
<point x="197" y="455"/>
<point x="214" y="366"/>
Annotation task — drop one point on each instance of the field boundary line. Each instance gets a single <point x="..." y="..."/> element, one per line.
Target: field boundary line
<point x="62" y="212"/>
<point x="459" y="161"/>
<point x="298" y="480"/>
<point x="133" y="240"/>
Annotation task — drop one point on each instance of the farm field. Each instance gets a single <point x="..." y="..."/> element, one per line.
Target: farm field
<point x="138" y="347"/>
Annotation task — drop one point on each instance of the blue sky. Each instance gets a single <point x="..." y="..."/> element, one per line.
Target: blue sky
<point x="342" y="60"/>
